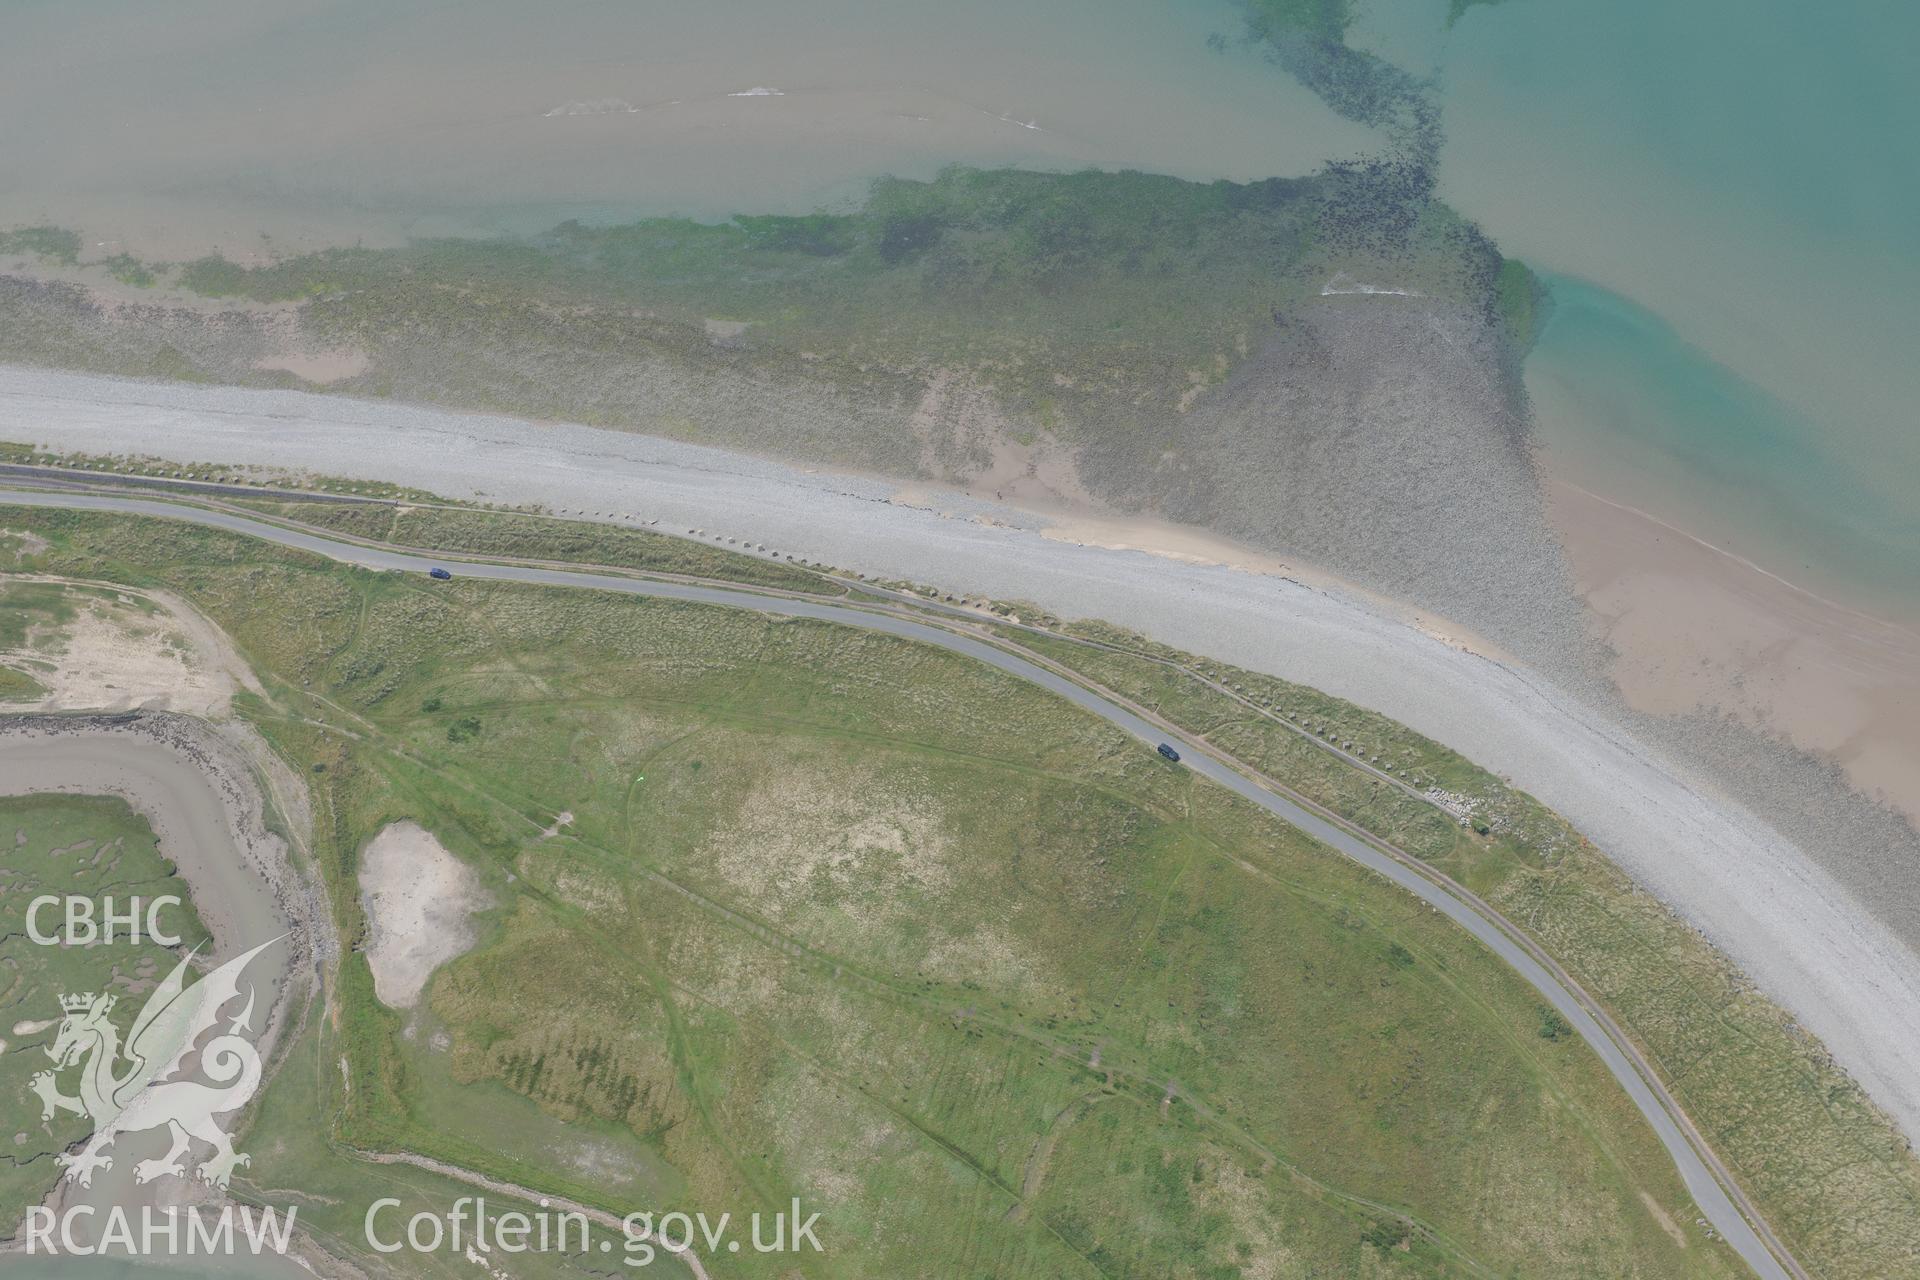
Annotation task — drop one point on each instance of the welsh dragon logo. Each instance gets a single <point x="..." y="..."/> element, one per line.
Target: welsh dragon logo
<point x="129" y="1086"/>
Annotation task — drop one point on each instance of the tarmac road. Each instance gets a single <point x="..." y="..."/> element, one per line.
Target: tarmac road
<point x="1712" y="1197"/>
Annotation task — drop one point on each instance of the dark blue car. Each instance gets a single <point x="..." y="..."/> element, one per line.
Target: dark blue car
<point x="437" y="572"/>
<point x="1169" y="753"/>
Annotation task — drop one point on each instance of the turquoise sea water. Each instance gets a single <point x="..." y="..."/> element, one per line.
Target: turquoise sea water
<point x="1723" y="193"/>
<point x="1627" y="404"/>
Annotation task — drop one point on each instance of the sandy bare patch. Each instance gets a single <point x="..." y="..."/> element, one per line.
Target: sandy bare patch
<point x="723" y="332"/>
<point x="1188" y="544"/>
<point x="810" y="1116"/>
<point x="1245" y="1202"/>
<point x="1036" y="471"/>
<point x="126" y="649"/>
<point x="318" y="367"/>
<point x="600" y="1160"/>
<point x="877" y="848"/>
<point x="966" y="437"/>
<point x="419" y="901"/>
<point x="19" y="544"/>
<point x="957" y="420"/>
<point x="1661" y="1216"/>
<point x="808" y="829"/>
<point x="988" y="954"/>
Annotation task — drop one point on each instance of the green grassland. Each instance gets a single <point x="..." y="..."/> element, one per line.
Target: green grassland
<point x="83" y="845"/>
<point x="1831" y="1172"/>
<point x="32" y="608"/>
<point x="28" y="611"/>
<point x="852" y="919"/>
<point x="299" y="1161"/>
<point x="1745" y="1073"/>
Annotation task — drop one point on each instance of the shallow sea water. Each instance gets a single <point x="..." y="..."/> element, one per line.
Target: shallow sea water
<point x="1722" y="192"/>
<point x="211" y="121"/>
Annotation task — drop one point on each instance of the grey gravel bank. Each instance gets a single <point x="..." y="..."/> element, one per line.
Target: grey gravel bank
<point x="1783" y="911"/>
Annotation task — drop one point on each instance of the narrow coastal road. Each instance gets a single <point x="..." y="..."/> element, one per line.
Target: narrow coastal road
<point x="1709" y="1192"/>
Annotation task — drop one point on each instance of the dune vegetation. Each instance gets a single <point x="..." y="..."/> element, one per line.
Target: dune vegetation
<point x="845" y="918"/>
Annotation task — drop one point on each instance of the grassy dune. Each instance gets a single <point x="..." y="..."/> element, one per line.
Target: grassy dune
<point x="1832" y="1173"/>
<point x="854" y="920"/>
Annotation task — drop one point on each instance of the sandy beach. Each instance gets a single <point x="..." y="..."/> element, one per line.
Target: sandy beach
<point x="1790" y="914"/>
<point x="1693" y="628"/>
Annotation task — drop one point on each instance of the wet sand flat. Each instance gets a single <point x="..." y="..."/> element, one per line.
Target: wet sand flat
<point x="1693" y="628"/>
